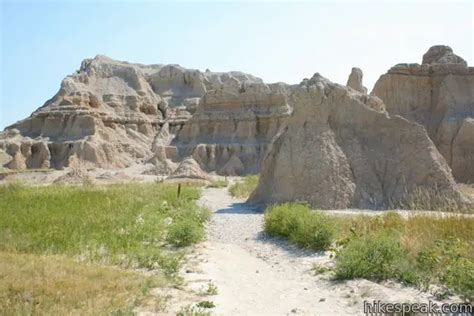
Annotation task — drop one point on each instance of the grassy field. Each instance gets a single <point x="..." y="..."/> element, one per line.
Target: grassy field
<point x="243" y="188"/>
<point x="421" y="250"/>
<point x="87" y="240"/>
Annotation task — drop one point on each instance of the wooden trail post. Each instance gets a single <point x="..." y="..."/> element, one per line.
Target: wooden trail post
<point x="179" y="190"/>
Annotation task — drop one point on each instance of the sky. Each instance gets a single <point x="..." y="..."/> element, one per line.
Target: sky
<point x="43" y="41"/>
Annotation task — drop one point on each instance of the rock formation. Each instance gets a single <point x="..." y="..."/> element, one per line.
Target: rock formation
<point x="114" y="114"/>
<point x="341" y="149"/>
<point x="355" y="80"/>
<point x="439" y="94"/>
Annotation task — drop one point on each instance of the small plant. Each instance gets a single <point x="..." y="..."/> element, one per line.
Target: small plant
<point x="317" y="269"/>
<point x="209" y="289"/>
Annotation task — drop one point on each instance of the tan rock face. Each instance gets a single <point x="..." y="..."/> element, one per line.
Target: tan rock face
<point x="339" y="152"/>
<point x="355" y="80"/>
<point x="439" y="94"/>
<point x="441" y="54"/>
<point x="113" y="114"/>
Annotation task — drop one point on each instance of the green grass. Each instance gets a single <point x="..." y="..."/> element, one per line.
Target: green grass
<point x="312" y="230"/>
<point x="243" y="188"/>
<point x="420" y="249"/>
<point x="128" y="226"/>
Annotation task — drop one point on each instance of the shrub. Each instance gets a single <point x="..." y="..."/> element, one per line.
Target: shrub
<point x="281" y="220"/>
<point x="308" y="229"/>
<point x="185" y="233"/>
<point x="313" y="231"/>
<point x="374" y="257"/>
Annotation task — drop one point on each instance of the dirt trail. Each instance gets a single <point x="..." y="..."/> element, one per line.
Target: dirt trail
<point x="259" y="275"/>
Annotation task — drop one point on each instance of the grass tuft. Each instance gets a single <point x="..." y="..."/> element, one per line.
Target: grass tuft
<point x="243" y="188"/>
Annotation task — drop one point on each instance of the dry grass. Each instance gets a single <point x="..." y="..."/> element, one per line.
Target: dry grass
<point x="56" y="285"/>
<point x="243" y="188"/>
<point x="467" y="189"/>
<point x="417" y="231"/>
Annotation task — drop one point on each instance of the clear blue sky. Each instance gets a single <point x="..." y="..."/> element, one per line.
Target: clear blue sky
<point x="42" y="42"/>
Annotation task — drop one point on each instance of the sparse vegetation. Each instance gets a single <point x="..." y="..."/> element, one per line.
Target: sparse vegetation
<point x="223" y="183"/>
<point x="209" y="289"/>
<point x="243" y="188"/>
<point x="191" y="310"/>
<point x="129" y="226"/>
<point x="317" y="269"/>
<point x="419" y="249"/>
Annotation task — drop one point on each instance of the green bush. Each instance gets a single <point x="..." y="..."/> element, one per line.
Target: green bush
<point x="308" y="229"/>
<point x="185" y="233"/>
<point x="374" y="256"/>
<point x="281" y="220"/>
<point x="313" y="232"/>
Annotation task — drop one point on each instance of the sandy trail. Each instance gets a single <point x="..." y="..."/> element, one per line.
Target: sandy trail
<point x="259" y="275"/>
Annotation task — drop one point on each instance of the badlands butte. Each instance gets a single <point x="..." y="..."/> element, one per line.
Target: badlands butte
<point x="330" y="145"/>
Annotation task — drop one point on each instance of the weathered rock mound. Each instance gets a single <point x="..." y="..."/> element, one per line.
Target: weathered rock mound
<point x="355" y="80"/>
<point x="439" y="94"/>
<point x="338" y="151"/>
<point x="114" y="114"/>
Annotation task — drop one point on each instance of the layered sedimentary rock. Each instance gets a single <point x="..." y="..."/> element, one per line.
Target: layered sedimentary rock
<point x="114" y="114"/>
<point x="439" y="94"/>
<point x="341" y="149"/>
<point x="230" y="131"/>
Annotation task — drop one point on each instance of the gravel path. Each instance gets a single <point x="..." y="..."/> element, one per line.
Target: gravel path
<point x="259" y="275"/>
